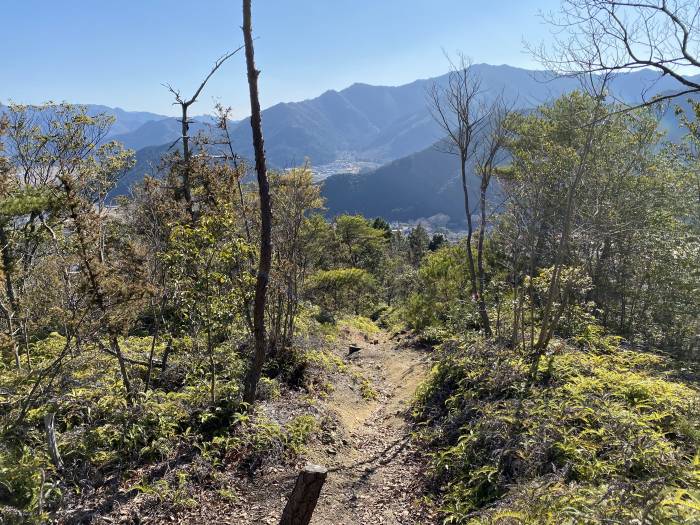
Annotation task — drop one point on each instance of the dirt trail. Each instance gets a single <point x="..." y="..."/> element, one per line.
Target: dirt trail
<point x="375" y="474"/>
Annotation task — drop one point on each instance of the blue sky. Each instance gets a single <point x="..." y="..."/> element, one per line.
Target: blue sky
<point x="118" y="53"/>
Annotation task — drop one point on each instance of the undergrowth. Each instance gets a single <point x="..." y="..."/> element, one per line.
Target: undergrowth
<point x="99" y="434"/>
<point x="604" y="435"/>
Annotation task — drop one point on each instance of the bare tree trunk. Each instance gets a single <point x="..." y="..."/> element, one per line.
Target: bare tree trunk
<point x="186" y="189"/>
<point x="116" y="349"/>
<point x="498" y="317"/>
<point x="166" y="355"/>
<point x="154" y="340"/>
<point x="11" y="334"/>
<point x="13" y="310"/>
<point x="265" y="262"/>
<point x="470" y="229"/>
<point x="51" y="440"/>
<point x="186" y="155"/>
<point x="212" y="367"/>
<point x="517" y="300"/>
<point x="25" y="339"/>
<point x="455" y="109"/>
<point x="477" y="286"/>
<point x="480" y="258"/>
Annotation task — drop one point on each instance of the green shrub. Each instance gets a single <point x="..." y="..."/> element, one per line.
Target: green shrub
<point x="298" y="432"/>
<point x="20" y="477"/>
<point x="268" y="389"/>
<point x="603" y="434"/>
<point x="359" y="323"/>
<point x="343" y="289"/>
<point x="254" y="439"/>
<point x="176" y="494"/>
<point x="441" y="297"/>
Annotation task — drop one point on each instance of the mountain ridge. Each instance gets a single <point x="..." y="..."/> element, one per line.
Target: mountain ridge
<point x="379" y="124"/>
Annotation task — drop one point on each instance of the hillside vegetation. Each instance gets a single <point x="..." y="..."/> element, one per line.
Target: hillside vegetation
<point x="127" y="330"/>
<point x="179" y="352"/>
<point x="588" y="416"/>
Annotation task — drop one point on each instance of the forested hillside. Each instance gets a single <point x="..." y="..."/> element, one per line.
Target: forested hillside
<point x="387" y="125"/>
<point x="214" y="346"/>
<point x="421" y="185"/>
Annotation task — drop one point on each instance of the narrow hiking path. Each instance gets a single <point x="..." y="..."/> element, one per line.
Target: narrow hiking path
<point x="376" y="476"/>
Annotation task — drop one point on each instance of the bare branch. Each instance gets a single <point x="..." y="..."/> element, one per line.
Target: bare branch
<point x="459" y="110"/>
<point x="217" y="65"/>
<point x="614" y="36"/>
<point x="185" y="122"/>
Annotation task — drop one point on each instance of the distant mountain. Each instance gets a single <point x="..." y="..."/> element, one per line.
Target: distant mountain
<point x="125" y="121"/>
<point x="427" y="184"/>
<point x="364" y="125"/>
<point x="152" y="133"/>
<point x="142" y="129"/>
<point x="368" y="123"/>
<point x="384" y="123"/>
<point x="379" y="124"/>
<point x="166" y="130"/>
<point x="421" y="185"/>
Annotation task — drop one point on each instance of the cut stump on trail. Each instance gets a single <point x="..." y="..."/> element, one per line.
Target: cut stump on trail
<point x="352" y="349"/>
<point x="304" y="497"/>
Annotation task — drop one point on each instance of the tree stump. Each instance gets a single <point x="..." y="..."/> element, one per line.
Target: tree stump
<point x="302" y="501"/>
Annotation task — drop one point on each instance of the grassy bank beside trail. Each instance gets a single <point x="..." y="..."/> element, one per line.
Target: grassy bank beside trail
<point x="603" y="435"/>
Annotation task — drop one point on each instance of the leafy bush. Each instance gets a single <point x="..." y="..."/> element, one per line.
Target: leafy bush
<point x="254" y="439"/>
<point x="298" y="432"/>
<point x="344" y="289"/>
<point x="96" y="430"/>
<point x="268" y="388"/>
<point x="603" y="435"/>
<point x="441" y="297"/>
<point x="174" y="495"/>
<point x="361" y="324"/>
<point x="20" y="477"/>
